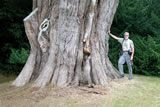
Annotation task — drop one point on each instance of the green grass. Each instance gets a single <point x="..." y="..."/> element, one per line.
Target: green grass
<point x="142" y="91"/>
<point x="145" y="92"/>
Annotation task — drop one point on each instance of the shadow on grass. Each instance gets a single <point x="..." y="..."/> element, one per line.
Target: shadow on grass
<point x="4" y="78"/>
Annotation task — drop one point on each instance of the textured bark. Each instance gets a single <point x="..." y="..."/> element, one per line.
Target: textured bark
<point x="74" y="47"/>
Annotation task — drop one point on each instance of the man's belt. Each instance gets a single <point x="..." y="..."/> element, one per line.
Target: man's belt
<point x="129" y="52"/>
<point x="126" y="51"/>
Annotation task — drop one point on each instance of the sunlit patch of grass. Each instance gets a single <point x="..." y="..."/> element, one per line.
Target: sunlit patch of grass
<point x="144" y="93"/>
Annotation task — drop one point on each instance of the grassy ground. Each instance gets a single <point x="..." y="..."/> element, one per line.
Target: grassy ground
<point x="4" y="78"/>
<point x="142" y="91"/>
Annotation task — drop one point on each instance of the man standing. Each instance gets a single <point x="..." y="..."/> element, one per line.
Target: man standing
<point x="127" y="48"/>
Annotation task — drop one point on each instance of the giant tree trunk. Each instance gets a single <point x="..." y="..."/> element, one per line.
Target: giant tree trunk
<point x="69" y="43"/>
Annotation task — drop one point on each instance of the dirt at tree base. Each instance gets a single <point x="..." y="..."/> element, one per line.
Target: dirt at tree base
<point x="10" y="95"/>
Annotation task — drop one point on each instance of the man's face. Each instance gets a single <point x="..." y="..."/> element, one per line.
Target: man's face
<point x="126" y="36"/>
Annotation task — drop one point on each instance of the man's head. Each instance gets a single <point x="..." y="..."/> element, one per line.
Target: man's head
<point x="126" y="35"/>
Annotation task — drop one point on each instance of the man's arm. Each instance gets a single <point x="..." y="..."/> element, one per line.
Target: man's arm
<point x="132" y="48"/>
<point x="113" y="36"/>
<point x="132" y="53"/>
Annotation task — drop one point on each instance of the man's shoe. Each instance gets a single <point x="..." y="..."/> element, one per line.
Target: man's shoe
<point x="130" y="78"/>
<point x="121" y="76"/>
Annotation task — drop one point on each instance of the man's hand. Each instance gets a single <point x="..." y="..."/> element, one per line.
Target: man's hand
<point x="131" y="58"/>
<point x="109" y="32"/>
<point x="113" y="36"/>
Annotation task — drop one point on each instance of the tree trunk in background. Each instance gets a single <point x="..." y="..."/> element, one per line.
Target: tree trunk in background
<point x="69" y="43"/>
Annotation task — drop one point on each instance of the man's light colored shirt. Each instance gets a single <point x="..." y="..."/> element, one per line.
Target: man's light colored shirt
<point x="126" y="44"/>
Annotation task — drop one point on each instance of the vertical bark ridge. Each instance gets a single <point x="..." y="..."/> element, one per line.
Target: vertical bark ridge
<point x="50" y="64"/>
<point x="87" y="39"/>
<point x="105" y="12"/>
<point x="112" y="70"/>
<point x="31" y="25"/>
<point x="34" y="4"/>
<point x="78" y="67"/>
<point x="68" y="37"/>
<point x="97" y="69"/>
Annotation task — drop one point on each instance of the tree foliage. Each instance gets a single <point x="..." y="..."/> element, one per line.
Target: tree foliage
<point x="12" y="35"/>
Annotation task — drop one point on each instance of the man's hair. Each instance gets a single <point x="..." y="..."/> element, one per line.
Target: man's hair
<point x="126" y="33"/>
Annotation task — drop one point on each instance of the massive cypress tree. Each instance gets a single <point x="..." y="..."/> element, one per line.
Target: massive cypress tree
<point x="69" y="43"/>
